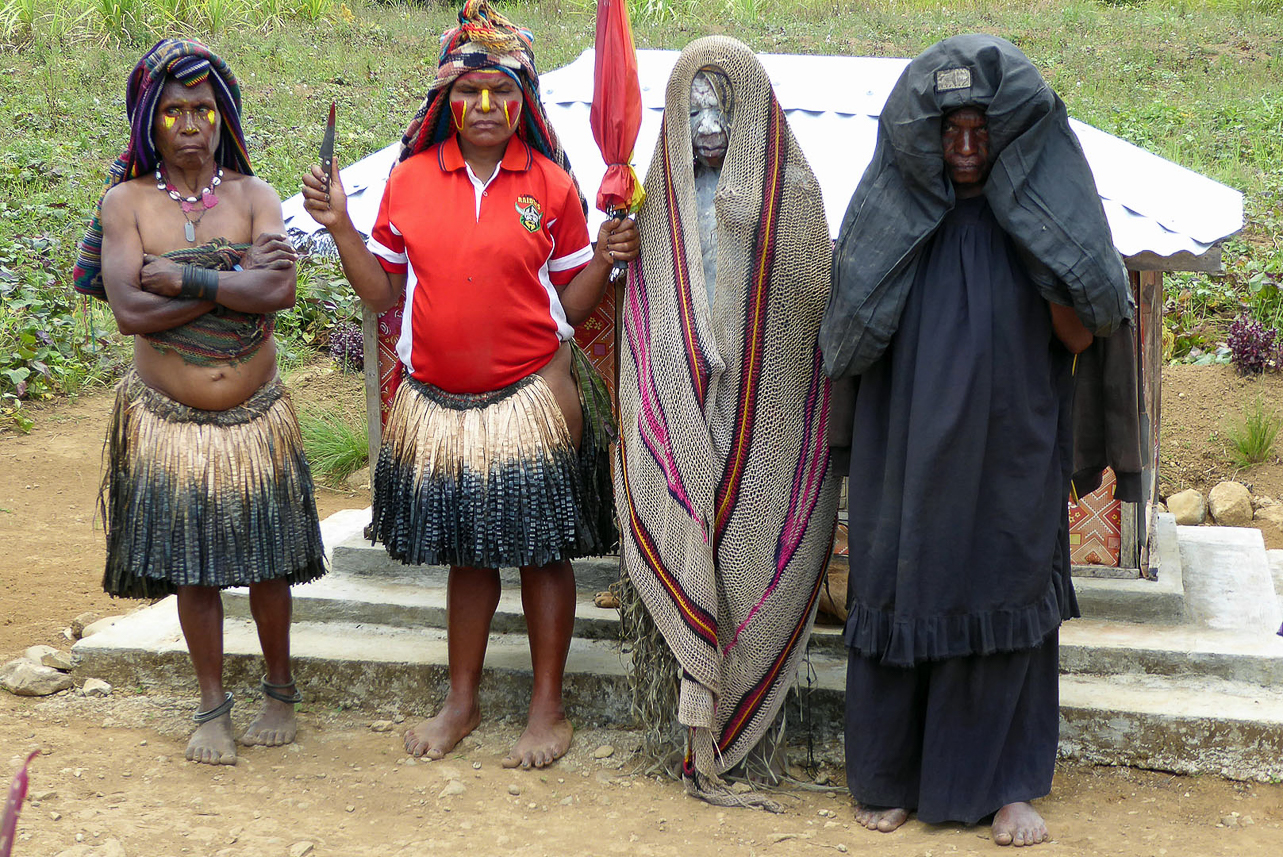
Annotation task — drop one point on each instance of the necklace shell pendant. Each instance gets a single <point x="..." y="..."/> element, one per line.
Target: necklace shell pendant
<point x="189" y="232"/>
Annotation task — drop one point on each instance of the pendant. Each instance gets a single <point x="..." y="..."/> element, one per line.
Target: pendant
<point x="208" y="199"/>
<point x="187" y="206"/>
<point x="189" y="232"/>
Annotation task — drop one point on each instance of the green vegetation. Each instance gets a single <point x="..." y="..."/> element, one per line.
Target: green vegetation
<point x="337" y="443"/>
<point x="1195" y="81"/>
<point x="1251" y="438"/>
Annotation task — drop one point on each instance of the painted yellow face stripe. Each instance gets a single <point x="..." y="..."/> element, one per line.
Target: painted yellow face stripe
<point x="485" y="101"/>
<point x="210" y="115"/>
<point x="170" y="120"/>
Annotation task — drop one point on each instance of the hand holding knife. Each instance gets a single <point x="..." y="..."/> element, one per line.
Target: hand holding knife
<point x="327" y="150"/>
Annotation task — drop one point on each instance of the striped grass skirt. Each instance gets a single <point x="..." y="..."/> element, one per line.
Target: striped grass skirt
<point x="206" y="498"/>
<point x="492" y="480"/>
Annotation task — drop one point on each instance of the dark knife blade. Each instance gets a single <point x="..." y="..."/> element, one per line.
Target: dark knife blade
<point x="327" y="147"/>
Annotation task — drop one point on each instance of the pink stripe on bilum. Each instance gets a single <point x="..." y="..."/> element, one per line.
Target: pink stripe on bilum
<point x="654" y="433"/>
<point x="806" y="492"/>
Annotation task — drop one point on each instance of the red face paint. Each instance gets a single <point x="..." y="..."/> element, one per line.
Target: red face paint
<point x="511" y="110"/>
<point x="458" y="108"/>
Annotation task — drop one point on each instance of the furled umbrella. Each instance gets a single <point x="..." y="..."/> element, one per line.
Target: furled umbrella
<point x="616" y="109"/>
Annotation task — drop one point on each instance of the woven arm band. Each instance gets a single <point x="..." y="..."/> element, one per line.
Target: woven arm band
<point x="199" y="283"/>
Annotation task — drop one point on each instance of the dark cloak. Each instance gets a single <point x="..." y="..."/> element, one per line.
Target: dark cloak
<point x="1040" y="189"/>
<point x="960" y="461"/>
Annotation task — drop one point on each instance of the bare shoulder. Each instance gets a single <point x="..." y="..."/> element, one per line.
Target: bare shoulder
<point x="122" y="200"/>
<point x="251" y="187"/>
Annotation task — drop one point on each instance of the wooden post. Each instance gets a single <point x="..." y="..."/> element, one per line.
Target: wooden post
<point x="373" y="400"/>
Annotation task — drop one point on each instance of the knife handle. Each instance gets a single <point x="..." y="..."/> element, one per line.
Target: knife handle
<point x="326" y="165"/>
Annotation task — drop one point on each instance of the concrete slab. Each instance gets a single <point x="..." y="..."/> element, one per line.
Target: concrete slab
<point x="1090" y="647"/>
<point x="358" y="556"/>
<point x="1188" y="727"/>
<point x="1159" y="601"/>
<point x="1228" y="585"/>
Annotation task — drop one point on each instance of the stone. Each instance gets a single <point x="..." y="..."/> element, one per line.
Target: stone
<point x="99" y="626"/>
<point x="110" y="848"/>
<point x="381" y="726"/>
<point x="359" y="480"/>
<point x="301" y="849"/>
<point x="452" y="788"/>
<point x="57" y="660"/>
<point x="80" y="622"/>
<point x="96" y="687"/>
<point x="23" y="678"/>
<point x="1261" y="502"/>
<point x="605" y="751"/>
<point x="1229" y="821"/>
<point x="36" y="654"/>
<point x="1230" y="505"/>
<point x="1269" y="519"/>
<point x="514" y="789"/>
<point x="1188" y="507"/>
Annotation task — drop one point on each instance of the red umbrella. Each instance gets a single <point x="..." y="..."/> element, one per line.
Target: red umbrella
<point x="616" y="108"/>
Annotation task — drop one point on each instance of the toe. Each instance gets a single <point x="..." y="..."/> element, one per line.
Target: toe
<point x="434" y="754"/>
<point x="510" y="762"/>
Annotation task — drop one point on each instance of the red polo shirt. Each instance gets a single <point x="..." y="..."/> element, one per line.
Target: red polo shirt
<point x="482" y="310"/>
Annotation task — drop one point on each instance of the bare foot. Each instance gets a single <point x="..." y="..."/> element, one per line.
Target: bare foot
<point x="212" y="743"/>
<point x="883" y="819"/>
<point x="546" y="739"/>
<point x="439" y="735"/>
<point x="1019" y="824"/>
<point x="275" y="725"/>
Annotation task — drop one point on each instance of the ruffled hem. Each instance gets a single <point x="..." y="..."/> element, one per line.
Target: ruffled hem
<point x="900" y="642"/>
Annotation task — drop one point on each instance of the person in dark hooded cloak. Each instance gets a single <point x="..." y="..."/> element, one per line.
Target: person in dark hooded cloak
<point x="973" y="265"/>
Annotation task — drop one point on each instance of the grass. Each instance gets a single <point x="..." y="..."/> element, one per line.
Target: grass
<point x="1251" y="437"/>
<point x="336" y="443"/>
<point x="1195" y="81"/>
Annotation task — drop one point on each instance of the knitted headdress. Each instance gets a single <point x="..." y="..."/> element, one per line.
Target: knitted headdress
<point x="483" y="40"/>
<point x="189" y="63"/>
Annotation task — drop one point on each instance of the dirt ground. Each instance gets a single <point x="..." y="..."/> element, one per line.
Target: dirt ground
<point x="113" y="780"/>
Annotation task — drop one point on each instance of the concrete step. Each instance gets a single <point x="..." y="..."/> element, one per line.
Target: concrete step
<point x="1098" y="648"/>
<point x="357" y="555"/>
<point x="1181" y="723"/>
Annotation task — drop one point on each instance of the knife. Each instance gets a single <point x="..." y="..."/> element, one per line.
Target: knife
<point x="327" y="148"/>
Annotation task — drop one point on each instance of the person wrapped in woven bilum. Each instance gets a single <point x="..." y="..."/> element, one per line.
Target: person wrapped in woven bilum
<point x="726" y="497"/>
<point x="495" y="452"/>
<point x="206" y="484"/>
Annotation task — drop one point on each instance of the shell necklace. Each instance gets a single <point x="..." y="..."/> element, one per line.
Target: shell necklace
<point x="207" y="199"/>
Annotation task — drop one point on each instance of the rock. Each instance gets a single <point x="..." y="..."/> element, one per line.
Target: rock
<point x="57" y="660"/>
<point x="36" y="654"/>
<point x="1189" y="507"/>
<point x="110" y="848"/>
<point x="1270" y="519"/>
<point x="605" y="751"/>
<point x="55" y="815"/>
<point x="514" y="789"/>
<point x="1230" y="505"/>
<point x="1260" y="502"/>
<point x="23" y="678"/>
<point x="452" y="788"/>
<point x="99" y="626"/>
<point x="42" y="796"/>
<point x="301" y="849"/>
<point x="1230" y="821"/>
<point x="96" y="687"/>
<point x="79" y="624"/>
<point x="381" y="726"/>
<point x="359" y="480"/>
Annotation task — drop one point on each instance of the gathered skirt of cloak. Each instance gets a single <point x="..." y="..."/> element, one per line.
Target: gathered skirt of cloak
<point x="959" y="538"/>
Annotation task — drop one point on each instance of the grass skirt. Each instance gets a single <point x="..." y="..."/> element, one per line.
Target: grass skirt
<point x="492" y="480"/>
<point x="206" y="498"/>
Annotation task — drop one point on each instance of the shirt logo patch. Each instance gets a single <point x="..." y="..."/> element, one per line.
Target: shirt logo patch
<point x="530" y="213"/>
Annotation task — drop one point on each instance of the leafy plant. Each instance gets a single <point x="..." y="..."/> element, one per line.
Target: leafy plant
<point x="337" y="444"/>
<point x="1251" y="438"/>
<point x="1251" y="345"/>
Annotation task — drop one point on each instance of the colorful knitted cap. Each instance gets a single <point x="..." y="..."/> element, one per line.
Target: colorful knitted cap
<point x="483" y="40"/>
<point x="188" y="62"/>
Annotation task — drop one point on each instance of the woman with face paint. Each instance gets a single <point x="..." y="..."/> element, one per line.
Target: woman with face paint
<point x="495" y="452"/>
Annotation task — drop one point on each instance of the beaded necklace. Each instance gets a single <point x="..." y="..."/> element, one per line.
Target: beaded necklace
<point x="207" y="199"/>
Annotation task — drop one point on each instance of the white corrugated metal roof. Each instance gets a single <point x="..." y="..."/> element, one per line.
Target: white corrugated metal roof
<point x="1153" y="205"/>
